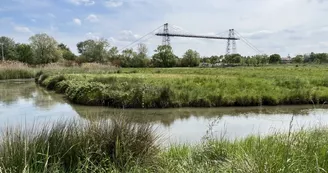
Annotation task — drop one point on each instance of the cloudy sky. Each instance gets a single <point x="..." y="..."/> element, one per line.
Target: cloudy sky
<point x="272" y="26"/>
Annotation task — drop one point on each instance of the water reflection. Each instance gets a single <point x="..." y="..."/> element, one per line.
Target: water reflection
<point x="168" y="116"/>
<point x="23" y="103"/>
<point x="190" y="125"/>
<point x="13" y="92"/>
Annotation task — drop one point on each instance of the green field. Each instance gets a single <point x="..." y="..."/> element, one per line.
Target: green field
<point x="193" y="87"/>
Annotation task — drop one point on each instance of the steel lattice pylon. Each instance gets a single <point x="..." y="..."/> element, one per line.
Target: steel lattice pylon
<point x="234" y="44"/>
<point x="166" y="37"/>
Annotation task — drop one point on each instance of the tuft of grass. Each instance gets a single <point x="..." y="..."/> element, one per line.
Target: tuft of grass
<point x="71" y="146"/>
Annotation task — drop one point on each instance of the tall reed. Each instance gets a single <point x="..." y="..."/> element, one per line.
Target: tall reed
<point x="70" y="146"/>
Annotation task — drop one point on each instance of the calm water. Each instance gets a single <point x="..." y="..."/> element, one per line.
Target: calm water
<point x="25" y="104"/>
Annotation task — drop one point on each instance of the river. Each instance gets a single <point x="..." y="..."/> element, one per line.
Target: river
<point x="22" y="104"/>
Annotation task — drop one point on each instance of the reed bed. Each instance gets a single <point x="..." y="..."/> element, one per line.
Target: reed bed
<point x="15" y="70"/>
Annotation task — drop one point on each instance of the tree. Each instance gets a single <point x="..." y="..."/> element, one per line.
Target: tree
<point x="164" y="57"/>
<point x="66" y="52"/>
<point x="113" y="53"/>
<point x="114" y="57"/>
<point x="8" y="48"/>
<point x="264" y="59"/>
<point x="62" y="46"/>
<point x="190" y="59"/>
<point x="322" y="57"/>
<point x="233" y="59"/>
<point x="298" y="59"/>
<point x="140" y="59"/>
<point x="44" y="48"/>
<point x="126" y="57"/>
<point x="94" y="50"/>
<point x="24" y="53"/>
<point x="275" y="59"/>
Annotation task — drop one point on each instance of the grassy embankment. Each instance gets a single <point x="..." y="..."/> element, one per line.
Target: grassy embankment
<point x="194" y="87"/>
<point x="125" y="147"/>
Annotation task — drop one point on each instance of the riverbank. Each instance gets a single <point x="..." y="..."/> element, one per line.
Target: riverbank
<point x="193" y="87"/>
<point x="121" y="146"/>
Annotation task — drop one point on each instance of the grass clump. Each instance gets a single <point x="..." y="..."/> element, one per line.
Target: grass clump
<point x="71" y="146"/>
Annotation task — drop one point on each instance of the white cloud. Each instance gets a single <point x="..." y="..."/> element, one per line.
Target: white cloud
<point x="51" y="15"/>
<point x="127" y="35"/>
<point x="92" y="18"/>
<point x="77" y="21"/>
<point x="22" y="29"/>
<point x="113" y="3"/>
<point x="92" y="35"/>
<point x="273" y="26"/>
<point x="262" y="34"/>
<point x="83" y="2"/>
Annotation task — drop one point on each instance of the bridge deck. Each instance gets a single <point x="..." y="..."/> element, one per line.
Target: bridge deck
<point x="197" y="36"/>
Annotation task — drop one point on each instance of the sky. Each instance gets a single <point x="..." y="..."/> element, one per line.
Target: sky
<point x="271" y="26"/>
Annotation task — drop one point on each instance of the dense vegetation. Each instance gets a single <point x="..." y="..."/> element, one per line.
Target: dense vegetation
<point x="120" y="146"/>
<point x="193" y="87"/>
<point x="44" y="49"/>
<point x="14" y="70"/>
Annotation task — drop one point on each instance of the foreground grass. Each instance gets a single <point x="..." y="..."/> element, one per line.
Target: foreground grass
<point x="78" y="147"/>
<point x="194" y="87"/>
<point x="119" y="146"/>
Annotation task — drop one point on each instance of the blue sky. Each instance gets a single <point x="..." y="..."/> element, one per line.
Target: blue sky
<point x="273" y="26"/>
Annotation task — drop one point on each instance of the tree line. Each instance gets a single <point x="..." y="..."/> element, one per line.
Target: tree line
<point x="44" y="49"/>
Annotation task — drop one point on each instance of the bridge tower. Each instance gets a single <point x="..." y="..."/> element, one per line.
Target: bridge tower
<point x="166" y="37"/>
<point x="234" y="44"/>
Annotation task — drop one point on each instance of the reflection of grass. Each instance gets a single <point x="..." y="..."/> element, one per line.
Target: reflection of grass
<point x="121" y="146"/>
<point x="168" y="116"/>
<point x="11" y="92"/>
<point x="195" y="87"/>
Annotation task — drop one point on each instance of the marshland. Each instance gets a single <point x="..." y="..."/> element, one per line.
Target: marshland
<point x="99" y="118"/>
<point x="111" y="111"/>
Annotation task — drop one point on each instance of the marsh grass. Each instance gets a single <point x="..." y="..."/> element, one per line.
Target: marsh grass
<point x="18" y="70"/>
<point x="15" y="70"/>
<point x="304" y="151"/>
<point x="71" y="146"/>
<point x="120" y="146"/>
<point x="195" y="87"/>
